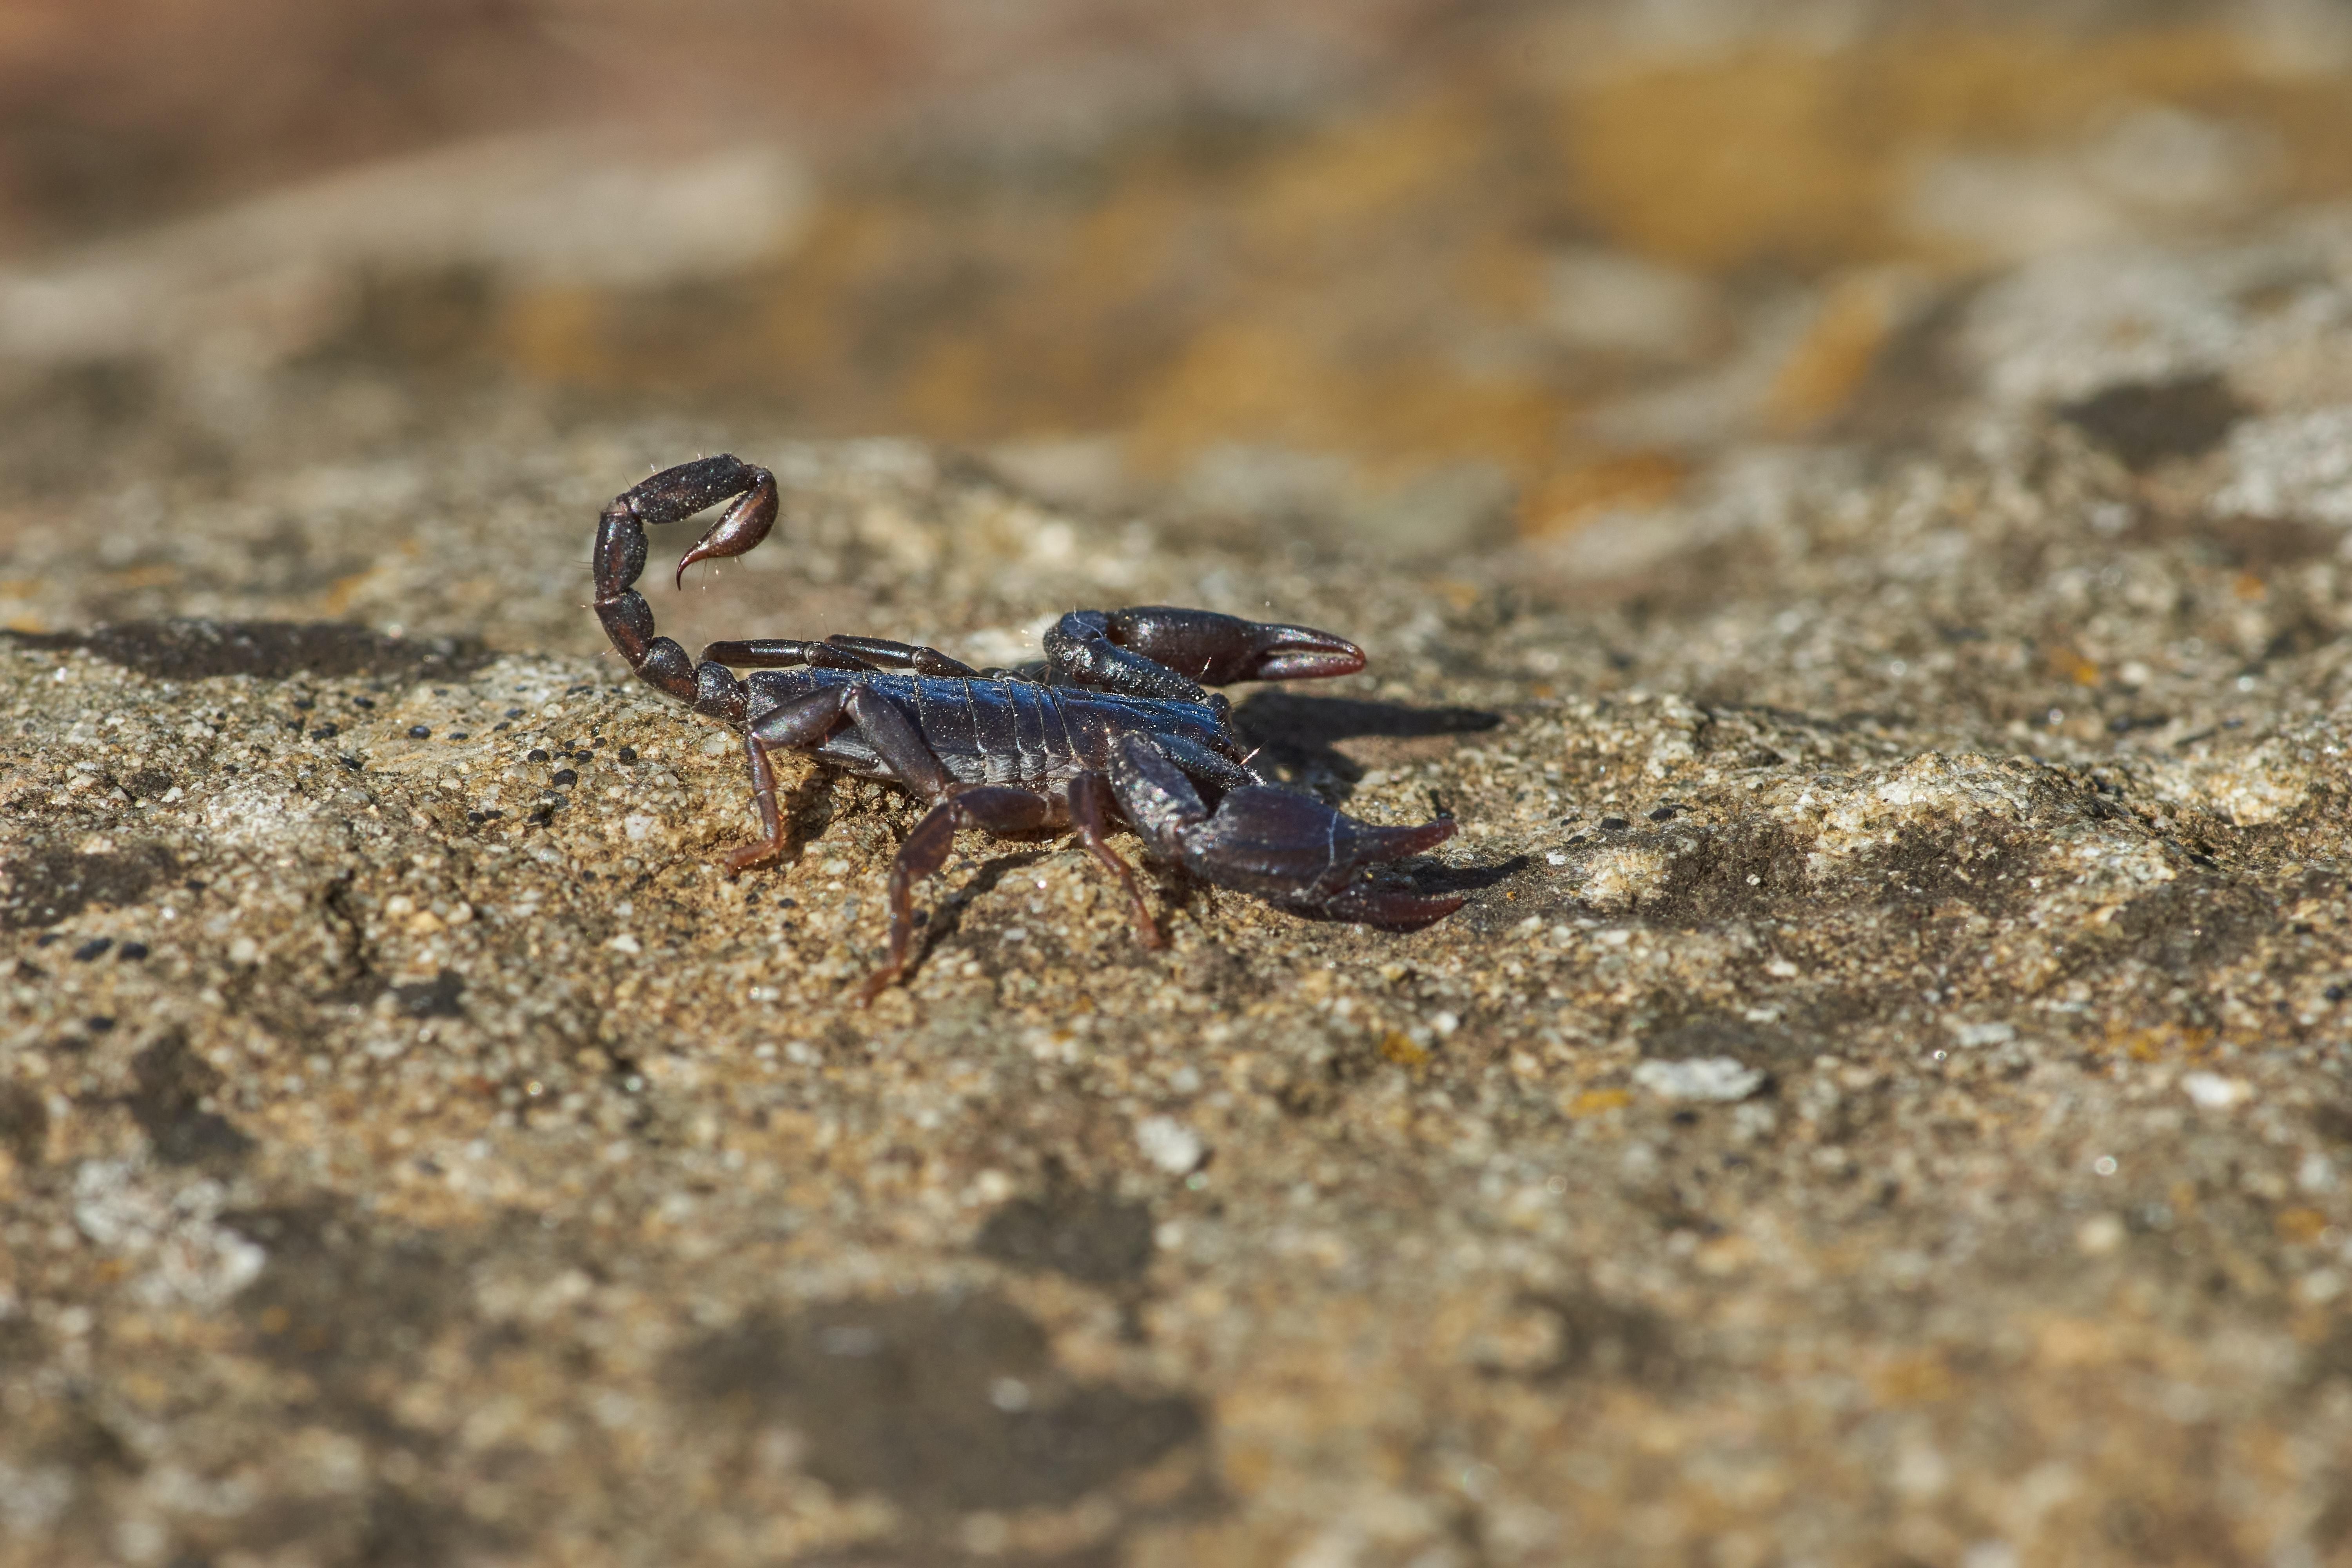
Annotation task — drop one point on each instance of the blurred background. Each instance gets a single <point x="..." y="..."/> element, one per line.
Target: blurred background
<point x="1417" y="275"/>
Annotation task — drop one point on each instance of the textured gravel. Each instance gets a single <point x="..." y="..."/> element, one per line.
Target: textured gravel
<point x="1887" y="1099"/>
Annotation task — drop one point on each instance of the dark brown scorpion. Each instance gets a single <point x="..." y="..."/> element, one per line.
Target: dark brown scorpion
<point x="1113" y="719"/>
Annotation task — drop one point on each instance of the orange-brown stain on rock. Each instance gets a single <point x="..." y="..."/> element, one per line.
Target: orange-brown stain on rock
<point x="1371" y="286"/>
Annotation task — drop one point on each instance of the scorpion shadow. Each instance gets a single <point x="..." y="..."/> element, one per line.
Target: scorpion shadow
<point x="1298" y="738"/>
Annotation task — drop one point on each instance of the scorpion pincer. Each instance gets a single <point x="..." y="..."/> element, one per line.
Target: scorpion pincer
<point x="1114" y="723"/>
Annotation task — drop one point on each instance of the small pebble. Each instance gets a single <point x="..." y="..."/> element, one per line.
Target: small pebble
<point x="514" y="712"/>
<point x="325" y="732"/>
<point x="94" y="948"/>
<point x="420" y="732"/>
<point x="627" y="754"/>
<point x="456" y="734"/>
<point x="99" y="1026"/>
<point x="362" y="701"/>
<point x="565" y="778"/>
<point x="132" y="952"/>
<point x="536" y="755"/>
<point x="1169" y="1144"/>
<point x="1699" y="1078"/>
<point x="1615" y="824"/>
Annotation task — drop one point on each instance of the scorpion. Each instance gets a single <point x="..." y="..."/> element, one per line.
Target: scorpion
<point x="1114" y="721"/>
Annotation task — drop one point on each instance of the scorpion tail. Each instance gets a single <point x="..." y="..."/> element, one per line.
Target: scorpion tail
<point x="672" y="496"/>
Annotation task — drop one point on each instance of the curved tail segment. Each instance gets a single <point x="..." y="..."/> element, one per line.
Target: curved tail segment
<point x="672" y="496"/>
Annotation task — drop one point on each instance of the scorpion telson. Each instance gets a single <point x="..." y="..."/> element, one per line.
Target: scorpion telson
<point x="1113" y="723"/>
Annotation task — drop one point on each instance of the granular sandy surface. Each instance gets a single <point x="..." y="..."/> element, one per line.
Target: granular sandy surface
<point x="1885" y="1100"/>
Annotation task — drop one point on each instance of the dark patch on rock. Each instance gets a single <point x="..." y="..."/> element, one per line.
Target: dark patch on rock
<point x="403" y="1530"/>
<point x="1094" y="1237"/>
<point x="943" y="1403"/>
<point x="438" y="997"/>
<point x="1724" y="872"/>
<point x="2143" y="423"/>
<point x="2193" y="923"/>
<point x="342" y="1299"/>
<point x="1984" y="863"/>
<point x="1608" y="1340"/>
<point x="2260" y="544"/>
<point x="272" y="651"/>
<point x="23" y="1123"/>
<point x="54" y="883"/>
<point x="173" y="1082"/>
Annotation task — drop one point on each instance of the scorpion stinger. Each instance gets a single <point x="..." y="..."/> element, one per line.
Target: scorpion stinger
<point x="1109" y="722"/>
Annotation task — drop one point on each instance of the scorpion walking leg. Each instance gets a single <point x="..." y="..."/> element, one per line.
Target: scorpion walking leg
<point x="796" y="724"/>
<point x="1090" y="814"/>
<point x="839" y="651"/>
<point x="996" y="808"/>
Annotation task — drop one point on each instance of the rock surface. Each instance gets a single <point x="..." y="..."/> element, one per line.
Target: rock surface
<point x="1888" y="1098"/>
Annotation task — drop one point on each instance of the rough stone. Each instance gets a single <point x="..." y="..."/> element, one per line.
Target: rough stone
<point x="467" y="1171"/>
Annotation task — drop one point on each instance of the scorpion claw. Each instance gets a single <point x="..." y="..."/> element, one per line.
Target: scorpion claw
<point x="1217" y="649"/>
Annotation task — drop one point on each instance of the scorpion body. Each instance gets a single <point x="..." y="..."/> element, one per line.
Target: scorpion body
<point x="1109" y="725"/>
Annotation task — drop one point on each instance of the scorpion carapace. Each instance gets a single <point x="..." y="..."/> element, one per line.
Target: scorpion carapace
<point x="1113" y="723"/>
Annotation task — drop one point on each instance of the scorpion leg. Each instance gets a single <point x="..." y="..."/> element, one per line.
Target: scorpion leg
<point x="994" y="809"/>
<point x="1289" y="849"/>
<point x="1090" y="801"/>
<point x="796" y="725"/>
<point x="902" y="655"/>
<point x="836" y="652"/>
<point x="1155" y="650"/>
<point x="804" y="723"/>
<point x="783" y="653"/>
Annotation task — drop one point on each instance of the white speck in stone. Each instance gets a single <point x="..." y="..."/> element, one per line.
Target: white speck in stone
<point x="1555" y="858"/>
<point x="2212" y="1091"/>
<point x="1445" y="1024"/>
<point x="625" y="943"/>
<point x="1982" y="1034"/>
<point x="2099" y="1235"/>
<point x="639" y="827"/>
<point x="1780" y="969"/>
<point x="1700" y="1078"/>
<point x="1170" y="1144"/>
